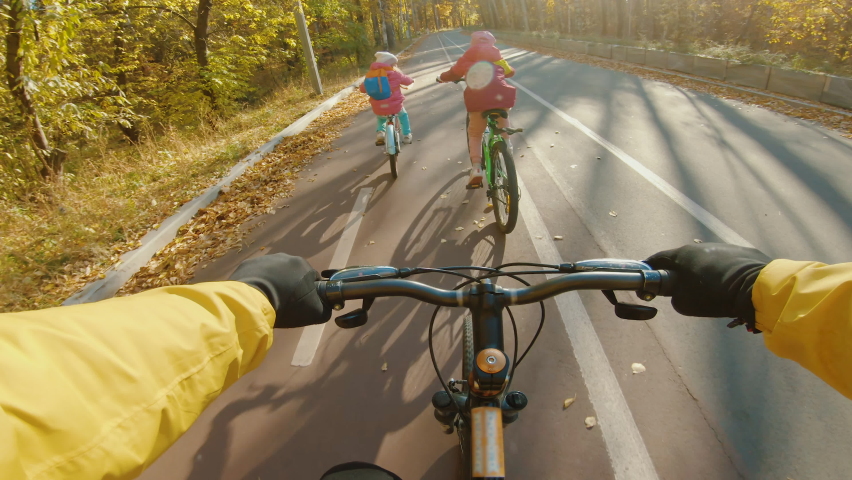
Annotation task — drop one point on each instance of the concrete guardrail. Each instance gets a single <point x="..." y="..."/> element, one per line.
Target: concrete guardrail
<point x="828" y="89"/>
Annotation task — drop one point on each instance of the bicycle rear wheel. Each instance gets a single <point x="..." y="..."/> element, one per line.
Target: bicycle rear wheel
<point x="392" y="141"/>
<point x="505" y="193"/>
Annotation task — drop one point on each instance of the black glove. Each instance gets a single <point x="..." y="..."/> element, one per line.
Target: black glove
<point x="290" y="285"/>
<point x="714" y="279"/>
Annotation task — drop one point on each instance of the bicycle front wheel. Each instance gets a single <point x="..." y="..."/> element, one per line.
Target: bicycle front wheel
<point x="504" y="187"/>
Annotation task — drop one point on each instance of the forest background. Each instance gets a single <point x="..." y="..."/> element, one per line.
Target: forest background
<point x="116" y="112"/>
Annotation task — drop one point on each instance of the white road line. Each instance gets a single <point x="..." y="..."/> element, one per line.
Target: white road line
<point x="311" y="335"/>
<point x="624" y="444"/>
<point x="724" y="232"/>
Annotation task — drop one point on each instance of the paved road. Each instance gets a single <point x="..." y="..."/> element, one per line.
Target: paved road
<point x="673" y="166"/>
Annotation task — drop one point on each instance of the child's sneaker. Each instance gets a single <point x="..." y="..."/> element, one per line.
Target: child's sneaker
<point x="380" y="138"/>
<point x="476" y="177"/>
<point x="407" y="138"/>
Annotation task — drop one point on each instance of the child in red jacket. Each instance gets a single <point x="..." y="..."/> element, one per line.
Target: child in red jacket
<point x="486" y="73"/>
<point x="393" y="104"/>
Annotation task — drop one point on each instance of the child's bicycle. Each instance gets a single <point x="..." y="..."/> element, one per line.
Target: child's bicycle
<point x="393" y="139"/>
<point x="499" y="169"/>
<point x="393" y="142"/>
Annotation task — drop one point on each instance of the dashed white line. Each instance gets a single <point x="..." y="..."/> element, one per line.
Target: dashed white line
<point x="311" y="335"/>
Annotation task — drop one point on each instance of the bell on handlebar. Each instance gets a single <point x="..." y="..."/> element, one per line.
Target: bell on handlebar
<point x="356" y="318"/>
<point x="630" y="311"/>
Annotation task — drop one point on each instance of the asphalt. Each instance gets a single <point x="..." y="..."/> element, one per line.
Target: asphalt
<point x="713" y="403"/>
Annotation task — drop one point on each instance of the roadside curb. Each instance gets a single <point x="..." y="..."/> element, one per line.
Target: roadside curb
<point x="132" y="261"/>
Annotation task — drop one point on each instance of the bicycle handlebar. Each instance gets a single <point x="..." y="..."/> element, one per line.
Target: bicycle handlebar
<point x="647" y="283"/>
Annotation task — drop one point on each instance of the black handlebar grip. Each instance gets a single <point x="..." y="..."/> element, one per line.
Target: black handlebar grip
<point x="668" y="280"/>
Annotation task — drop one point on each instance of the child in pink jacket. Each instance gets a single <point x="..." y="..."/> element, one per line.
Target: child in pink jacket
<point x="393" y="104"/>
<point x="485" y="72"/>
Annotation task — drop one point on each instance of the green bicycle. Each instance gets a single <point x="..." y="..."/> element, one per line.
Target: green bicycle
<point x="500" y="174"/>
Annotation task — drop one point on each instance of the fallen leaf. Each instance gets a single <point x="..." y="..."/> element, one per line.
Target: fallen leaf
<point x="354" y="169"/>
<point x="459" y="229"/>
<point x="696" y="240"/>
<point x="385" y="367"/>
<point x="552" y="145"/>
<point x="372" y="242"/>
<point x="480" y="225"/>
<point x="591" y="422"/>
<point x="597" y="158"/>
<point x="522" y="154"/>
<point x="612" y="213"/>
<point x="459" y="162"/>
<point x="443" y="196"/>
<point x="573" y="166"/>
<point x="312" y="179"/>
<point x="475" y="222"/>
<point x="263" y="248"/>
<point x="557" y="237"/>
<point x="465" y="202"/>
<point x="424" y="168"/>
<point x="568" y="401"/>
<point x="529" y="146"/>
<point x="539" y="237"/>
<point x="328" y="158"/>
<point x="365" y="176"/>
<point x="490" y="205"/>
<point x="637" y="368"/>
<point x="156" y="226"/>
<point x="443" y="240"/>
<point x="557" y="131"/>
<point x="226" y="189"/>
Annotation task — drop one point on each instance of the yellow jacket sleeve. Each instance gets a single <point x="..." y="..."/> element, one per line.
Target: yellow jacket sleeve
<point x="805" y="312"/>
<point x="101" y="390"/>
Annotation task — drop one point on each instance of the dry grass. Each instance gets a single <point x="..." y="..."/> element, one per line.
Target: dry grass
<point x="51" y="249"/>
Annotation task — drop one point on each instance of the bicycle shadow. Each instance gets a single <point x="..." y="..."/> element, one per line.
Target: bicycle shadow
<point x="318" y="422"/>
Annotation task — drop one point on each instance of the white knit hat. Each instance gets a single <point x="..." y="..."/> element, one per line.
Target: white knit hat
<point x="387" y="58"/>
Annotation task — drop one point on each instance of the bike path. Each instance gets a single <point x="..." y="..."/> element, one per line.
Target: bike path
<point x="294" y="422"/>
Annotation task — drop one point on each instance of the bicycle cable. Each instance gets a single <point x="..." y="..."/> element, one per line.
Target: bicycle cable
<point x="511" y="317"/>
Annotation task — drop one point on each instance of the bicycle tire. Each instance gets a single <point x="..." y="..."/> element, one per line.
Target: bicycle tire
<point x="392" y="147"/>
<point x="507" y="213"/>
<point x="462" y="426"/>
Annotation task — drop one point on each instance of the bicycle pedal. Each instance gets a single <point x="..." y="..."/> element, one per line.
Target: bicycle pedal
<point x="380" y="144"/>
<point x="473" y="187"/>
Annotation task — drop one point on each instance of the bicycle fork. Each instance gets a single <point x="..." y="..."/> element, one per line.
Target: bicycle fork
<point x="481" y="405"/>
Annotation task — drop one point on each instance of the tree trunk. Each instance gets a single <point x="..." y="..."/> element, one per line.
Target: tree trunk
<point x="746" y="25"/>
<point x="131" y="128"/>
<point x="525" y="16"/>
<point x="377" y="30"/>
<point x="604" y="9"/>
<point x="507" y="19"/>
<point x="52" y="159"/>
<point x="437" y="18"/>
<point x="621" y="17"/>
<point x="202" y="30"/>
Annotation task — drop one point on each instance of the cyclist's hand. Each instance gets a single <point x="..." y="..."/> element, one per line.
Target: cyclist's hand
<point x="714" y="279"/>
<point x="290" y="285"/>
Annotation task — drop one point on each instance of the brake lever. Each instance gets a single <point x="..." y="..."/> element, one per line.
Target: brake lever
<point x="355" y="318"/>
<point x="630" y="311"/>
